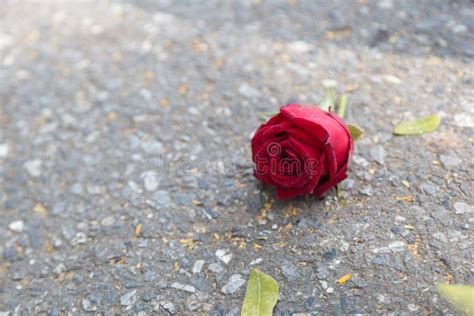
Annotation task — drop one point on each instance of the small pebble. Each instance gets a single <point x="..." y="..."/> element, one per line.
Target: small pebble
<point x="4" y="149"/>
<point x="300" y="47"/>
<point x="235" y="282"/>
<point x="449" y="161"/>
<point x="248" y="91"/>
<point x="385" y="4"/>
<point x="169" y="307"/>
<point x="396" y="230"/>
<point x="464" y="120"/>
<point x="397" y="246"/>
<point x="429" y="188"/>
<point x="33" y="167"/>
<point x="361" y="161"/>
<point x="216" y="268"/>
<point x="222" y="256"/>
<point x="80" y="238"/>
<point x="461" y="208"/>
<point x="150" y="180"/>
<point x="413" y="307"/>
<point x="324" y="284"/>
<point x="16" y="226"/>
<point x="256" y="261"/>
<point x="94" y="189"/>
<point x="194" y="302"/>
<point x="329" y="255"/>
<point x="76" y="189"/>
<point x="465" y="226"/>
<point x="88" y="306"/>
<point x="322" y="273"/>
<point x="184" y="287"/>
<point x="366" y="190"/>
<point x="108" y="221"/>
<point x="129" y="298"/>
<point x="378" y="154"/>
<point x="152" y="147"/>
<point x="197" y="267"/>
<point x="347" y="184"/>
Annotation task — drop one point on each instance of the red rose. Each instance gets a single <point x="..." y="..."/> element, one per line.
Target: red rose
<point x="302" y="150"/>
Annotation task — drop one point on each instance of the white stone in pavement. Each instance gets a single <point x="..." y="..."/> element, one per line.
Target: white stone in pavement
<point x="235" y="282"/>
<point x="16" y="226"/>
<point x="33" y="167"/>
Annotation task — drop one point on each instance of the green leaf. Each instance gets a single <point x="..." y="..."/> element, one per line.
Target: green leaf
<point x="329" y="99"/>
<point x="419" y="126"/>
<point x="341" y="109"/>
<point x="460" y="295"/>
<point x="338" y="191"/>
<point x="356" y="131"/>
<point x="261" y="295"/>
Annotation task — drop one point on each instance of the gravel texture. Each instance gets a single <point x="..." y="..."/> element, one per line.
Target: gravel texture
<point x="126" y="178"/>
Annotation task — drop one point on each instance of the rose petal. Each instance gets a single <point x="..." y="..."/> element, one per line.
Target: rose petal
<point x="287" y="180"/>
<point x="340" y="121"/>
<point x="310" y="155"/>
<point x="297" y="181"/>
<point x="286" y="193"/>
<point x="331" y="162"/>
<point x="304" y="119"/>
<point x="261" y="170"/>
<point x="349" y="135"/>
<point x="339" y="137"/>
<point x="257" y="138"/>
<point x="323" y="188"/>
<point x="326" y="126"/>
<point x="303" y="135"/>
<point x="277" y="162"/>
<point x="271" y="133"/>
<point x="258" y="152"/>
<point x="305" y="150"/>
<point x="274" y="120"/>
<point x="291" y="152"/>
<point x="313" y="175"/>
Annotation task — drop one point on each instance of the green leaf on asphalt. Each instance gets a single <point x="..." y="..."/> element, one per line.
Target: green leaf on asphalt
<point x="419" y="126"/>
<point x="356" y="131"/>
<point x="261" y="295"/>
<point x="341" y="108"/>
<point x="460" y="295"/>
<point x="329" y="99"/>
